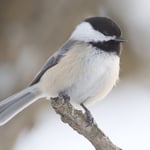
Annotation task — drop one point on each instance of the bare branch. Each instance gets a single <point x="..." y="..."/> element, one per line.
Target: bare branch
<point x="77" y="120"/>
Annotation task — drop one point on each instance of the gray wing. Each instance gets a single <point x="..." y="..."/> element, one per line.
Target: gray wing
<point x="53" y="60"/>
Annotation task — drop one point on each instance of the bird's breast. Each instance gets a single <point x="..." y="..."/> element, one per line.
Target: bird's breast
<point x="82" y="73"/>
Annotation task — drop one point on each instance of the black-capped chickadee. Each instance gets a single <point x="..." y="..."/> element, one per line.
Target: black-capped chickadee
<point x="85" y="68"/>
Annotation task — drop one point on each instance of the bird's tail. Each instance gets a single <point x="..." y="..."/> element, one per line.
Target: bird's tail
<point x="17" y="102"/>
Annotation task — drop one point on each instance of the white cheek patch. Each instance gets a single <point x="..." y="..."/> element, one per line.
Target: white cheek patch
<point x="85" y="32"/>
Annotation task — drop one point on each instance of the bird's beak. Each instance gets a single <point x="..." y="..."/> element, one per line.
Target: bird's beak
<point x="119" y="39"/>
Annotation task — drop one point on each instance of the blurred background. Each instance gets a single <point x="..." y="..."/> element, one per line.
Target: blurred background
<point x="31" y="30"/>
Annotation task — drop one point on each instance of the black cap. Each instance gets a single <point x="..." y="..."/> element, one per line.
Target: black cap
<point x="104" y="25"/>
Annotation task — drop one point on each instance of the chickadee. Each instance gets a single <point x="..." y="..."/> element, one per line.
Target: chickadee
<point x="85" y="68"/>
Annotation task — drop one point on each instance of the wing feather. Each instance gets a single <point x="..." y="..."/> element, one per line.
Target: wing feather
<point x="53" y="60"/>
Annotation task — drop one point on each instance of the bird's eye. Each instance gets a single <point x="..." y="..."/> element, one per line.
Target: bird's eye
<point x="105" y="33"/>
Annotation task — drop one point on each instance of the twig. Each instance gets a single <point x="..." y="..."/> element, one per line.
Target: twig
<point x="77" y="120"/>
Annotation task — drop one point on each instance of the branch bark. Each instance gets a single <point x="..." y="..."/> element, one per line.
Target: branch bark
<point x="77" y="120"/>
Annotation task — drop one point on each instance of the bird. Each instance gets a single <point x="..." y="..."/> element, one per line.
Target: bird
<point x="85" y="68"/>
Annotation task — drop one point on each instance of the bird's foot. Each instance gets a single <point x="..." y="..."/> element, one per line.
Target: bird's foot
<point x="64" y="96"/>
<point x="60" y="100"/>
<point x="89" y="117"/>
<point x="61" y="95"/>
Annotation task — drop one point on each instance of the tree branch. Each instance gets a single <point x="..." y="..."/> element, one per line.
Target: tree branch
<point x="77" y="120"/>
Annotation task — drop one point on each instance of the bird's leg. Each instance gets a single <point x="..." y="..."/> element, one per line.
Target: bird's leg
<point x="88" y="114"/>
<point x="61" y="95"/>
<point x="60" y="99"/>
<point x="64" y="96"/>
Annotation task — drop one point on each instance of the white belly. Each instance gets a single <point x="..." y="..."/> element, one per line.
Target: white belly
<point x="82" y="75"/>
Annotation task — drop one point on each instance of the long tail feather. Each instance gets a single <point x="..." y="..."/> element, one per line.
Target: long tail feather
<point x="16" y="103"/>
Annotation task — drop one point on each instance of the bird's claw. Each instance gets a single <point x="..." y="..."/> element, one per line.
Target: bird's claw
<point x="89" y="117"/>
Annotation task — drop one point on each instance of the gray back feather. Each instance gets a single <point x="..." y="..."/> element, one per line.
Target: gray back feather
<point x="53" y="60"/>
